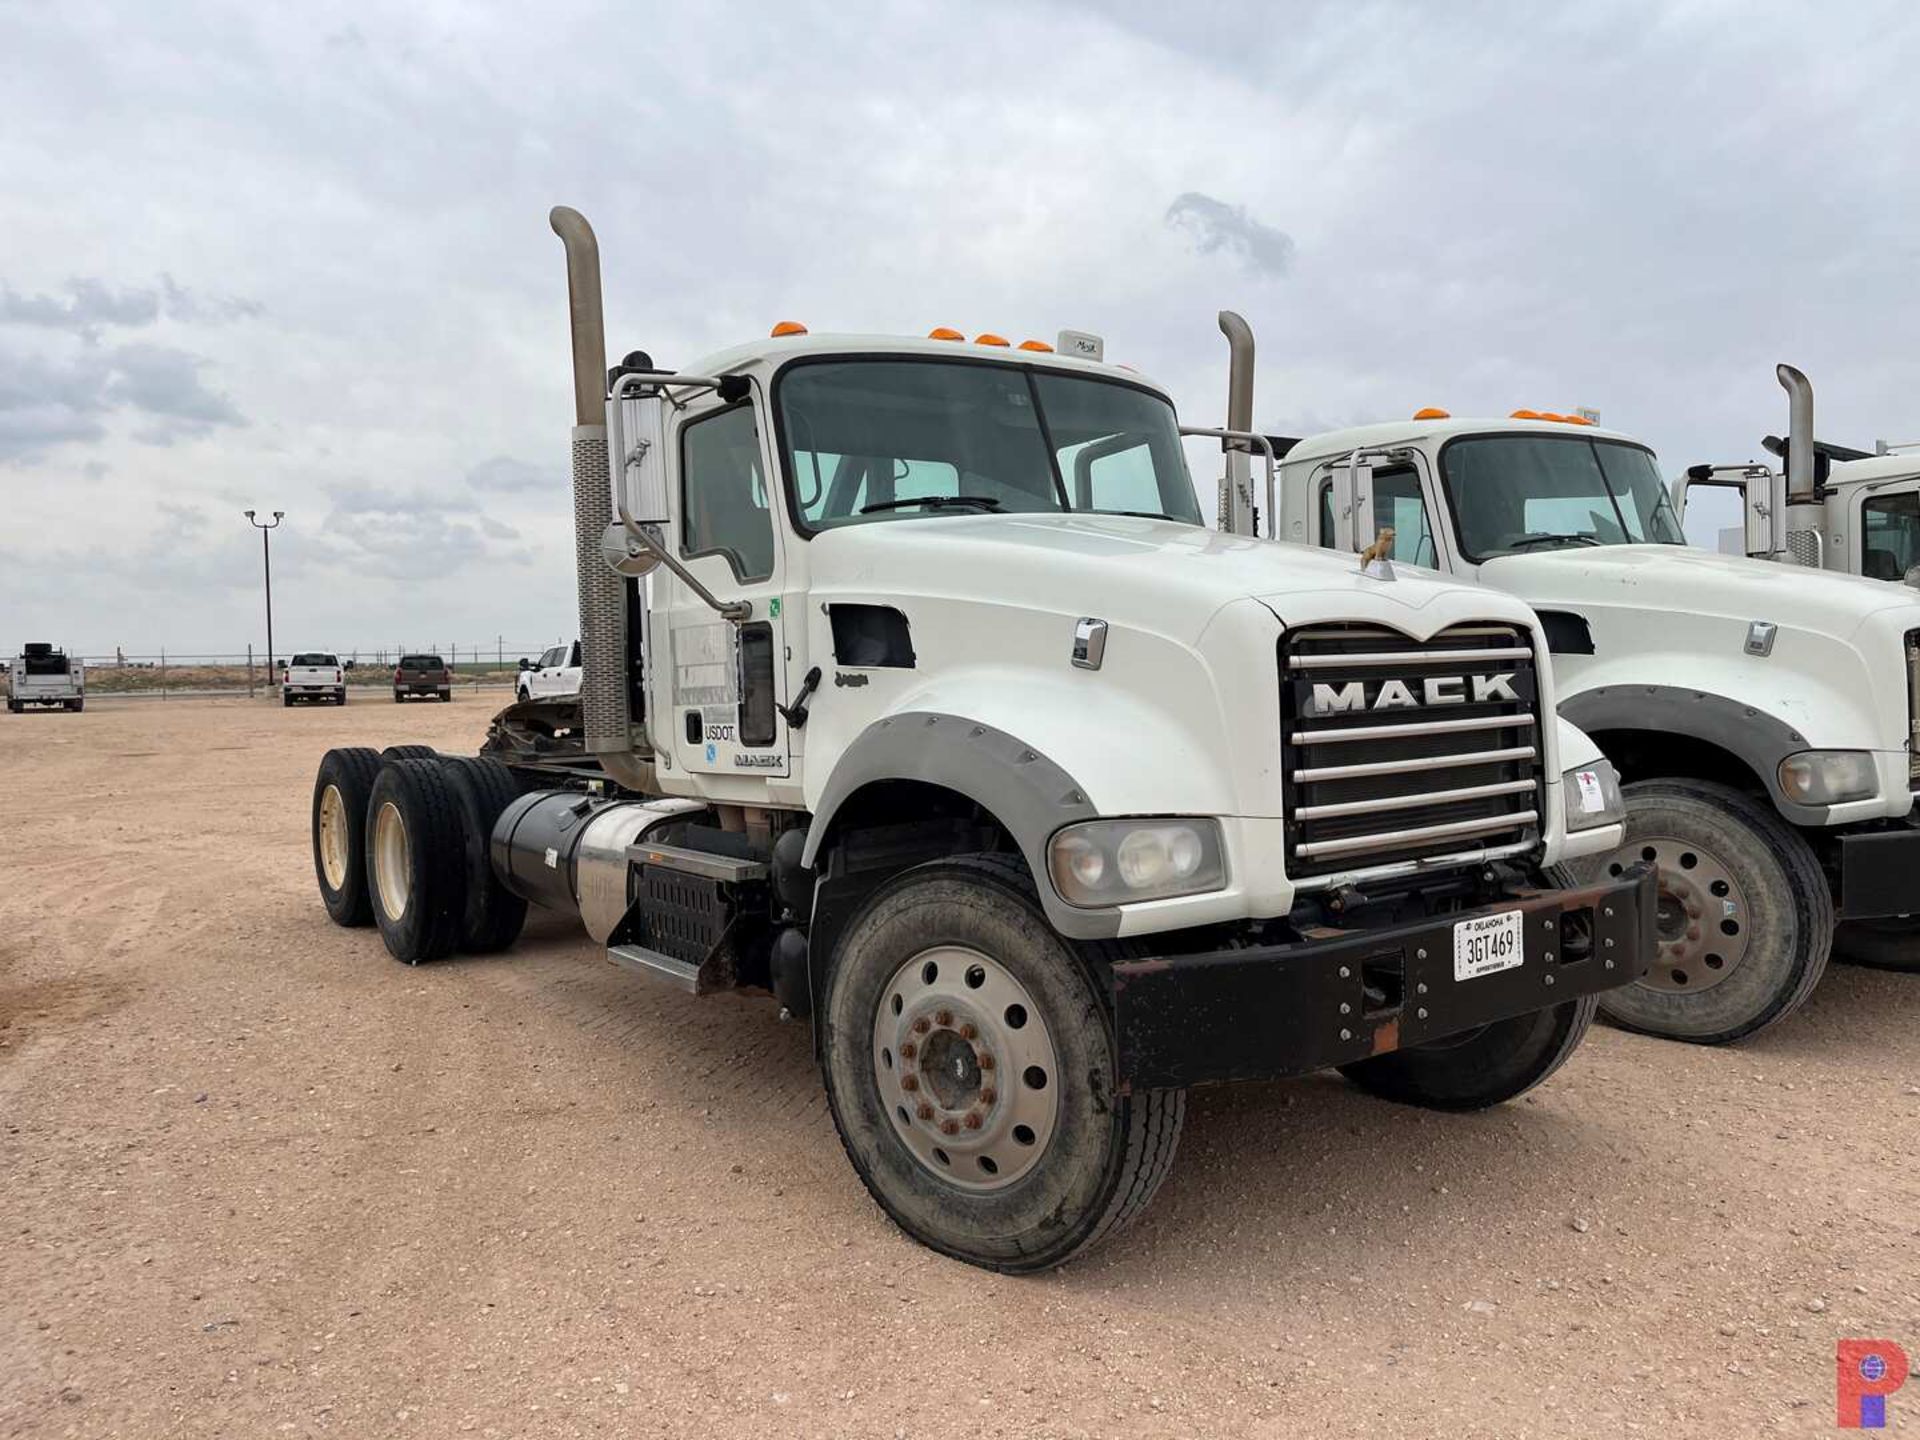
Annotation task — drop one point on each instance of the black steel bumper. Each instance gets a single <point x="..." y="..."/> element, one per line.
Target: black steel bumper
<point x="1281" y="1010"/>
<point x="1879" y="873"/>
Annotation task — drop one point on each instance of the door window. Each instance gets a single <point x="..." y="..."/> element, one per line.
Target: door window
<point x="1890" y="535"/>
<point x="723" y="494"/>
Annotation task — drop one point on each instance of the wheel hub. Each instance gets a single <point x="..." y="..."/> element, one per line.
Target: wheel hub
<point x="390" y="858"/>
<point x="333" y="837"/>
<point x="966" y="1068"/>
<point x="1701" y="919"/>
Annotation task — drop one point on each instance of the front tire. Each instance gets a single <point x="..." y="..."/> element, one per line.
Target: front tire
<point x="1892" y="944"/>
<point x="1745" y="919"/>
<point x="968" y="1053"/>
<point x="340" y="697"/>
<point x="1483" y="1067"/>
<point x="415" y="860"/>
<point x="340" y="792"/>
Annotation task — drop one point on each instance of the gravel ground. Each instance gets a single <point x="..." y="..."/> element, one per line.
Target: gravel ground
<point x="257" y="1179"/>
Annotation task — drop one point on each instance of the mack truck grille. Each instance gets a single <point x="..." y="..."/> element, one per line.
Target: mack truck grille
<point x="1397" y="750"/>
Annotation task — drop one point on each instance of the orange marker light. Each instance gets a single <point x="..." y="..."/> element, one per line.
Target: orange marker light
<point x="1576" y="420"/>
<point x="944" y="332"/>
<point x="1039" y="346"/>
<point x="1431" y="412"/>
<point x="1524" y="415"/>
<point x="788" y="327"/>
<point x="1549" y="415"/>
<point x="990" y="340"/>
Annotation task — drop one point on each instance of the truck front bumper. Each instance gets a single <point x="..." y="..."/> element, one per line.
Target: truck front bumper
<point x="1879" y="873"/>
<point x="1340" y="996"/>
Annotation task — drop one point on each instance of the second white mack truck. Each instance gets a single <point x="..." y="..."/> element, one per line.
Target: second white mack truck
<point x="1763" y="730"/>
<point x="916" y="693"/>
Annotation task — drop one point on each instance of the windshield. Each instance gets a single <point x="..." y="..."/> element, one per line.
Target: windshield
<point x="1514" y="493"/>
<point x="886" y="439"/>
<point x="313" y="658"/>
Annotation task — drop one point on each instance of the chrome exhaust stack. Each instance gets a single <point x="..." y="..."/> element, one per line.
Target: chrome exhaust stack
<point x="604" y="653"/>
<point x="1236" y="487"/>
<point x="1799" y="390"/>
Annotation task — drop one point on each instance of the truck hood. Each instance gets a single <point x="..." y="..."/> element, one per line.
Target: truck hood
<point x="1155" y="575"/>
<point x="1664" y="579"/>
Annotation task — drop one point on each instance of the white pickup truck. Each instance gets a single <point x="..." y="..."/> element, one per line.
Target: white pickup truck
<point x="42" y="675"/>
<point x="314" y="675"/>
<point x="554" y="676"/>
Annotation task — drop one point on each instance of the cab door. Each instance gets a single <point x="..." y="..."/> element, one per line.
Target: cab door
<point x="1886" y="531"/>
<point x="724" y="682"/>
<point x="1398" y="502"/>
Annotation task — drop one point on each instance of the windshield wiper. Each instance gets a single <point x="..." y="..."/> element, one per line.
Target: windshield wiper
<point x="1137" y="514"/>
<point x="975" y="502"/>
<point x="1532" y="540"/>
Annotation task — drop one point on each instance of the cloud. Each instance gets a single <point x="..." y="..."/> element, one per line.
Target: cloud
<point x="504" y="474"/>
<point x="164" y="386"/>
<point x="1217" y="226"/>
<point x="91" y="305"/>
<point x="44" y="403"/>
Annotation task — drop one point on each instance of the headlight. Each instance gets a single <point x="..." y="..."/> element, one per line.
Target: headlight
<point x="1591" y="796"/>
<point x="1112" y="862"/>
<point x="1828" y="777"/>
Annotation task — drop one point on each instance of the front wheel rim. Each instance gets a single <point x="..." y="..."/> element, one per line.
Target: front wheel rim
<point x="334" y="852"/>
<point x="1702" y="919"/>
<point x="966" y="1068"/>
<point x="390" y="867"/>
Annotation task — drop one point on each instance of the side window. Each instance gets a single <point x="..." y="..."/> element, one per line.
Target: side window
<point x="1890" y="535"/>
<point x="1397" y="502"/>
<point x="723" y="495"/>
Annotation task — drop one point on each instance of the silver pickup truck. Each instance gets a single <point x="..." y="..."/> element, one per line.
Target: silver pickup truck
<point x="42" y="675"/>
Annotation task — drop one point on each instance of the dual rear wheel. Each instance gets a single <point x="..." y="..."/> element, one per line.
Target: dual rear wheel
<point x="400" y="840"/>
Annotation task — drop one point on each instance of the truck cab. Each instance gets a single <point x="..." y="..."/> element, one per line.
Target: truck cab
<point x="45" y="676"/>
<point x="917" y="693"/>
<point x="1764" y="731"/>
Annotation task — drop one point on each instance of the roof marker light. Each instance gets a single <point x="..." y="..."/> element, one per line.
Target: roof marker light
<point x="1549" y="415"/>
<point x="1524" y="415"/>
<point x="1575" y="420"/>
<point x="1431" y="412"/>
<point x="788" y="327"/>
<point x="1038" y="346"/>
<point x="944" y="332"/>
<point x="990" y="339"/>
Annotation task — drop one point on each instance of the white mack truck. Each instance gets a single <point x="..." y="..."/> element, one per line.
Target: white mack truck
<point x="917" y="694"/>
<point x="1852" y="512"/>
<point x="1764" y="730"/>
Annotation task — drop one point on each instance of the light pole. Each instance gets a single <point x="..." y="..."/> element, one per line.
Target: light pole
<point x="266" y="560"/>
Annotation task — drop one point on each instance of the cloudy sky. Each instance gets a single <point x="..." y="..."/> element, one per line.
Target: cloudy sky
<point x="296" y="257"/>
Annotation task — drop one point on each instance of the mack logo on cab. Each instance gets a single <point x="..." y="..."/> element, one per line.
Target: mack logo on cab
<point x="1413" y="694"/>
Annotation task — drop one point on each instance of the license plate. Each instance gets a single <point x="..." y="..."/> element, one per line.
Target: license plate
<point x="1487" y="943"/>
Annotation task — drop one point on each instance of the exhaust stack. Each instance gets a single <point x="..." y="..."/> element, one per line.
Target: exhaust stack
<point x="1236" y="488"/>
<point x="1800" y="483"/>
<point x="604" y="655"/>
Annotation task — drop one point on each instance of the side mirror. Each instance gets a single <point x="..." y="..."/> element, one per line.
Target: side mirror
<point x="525" y="663"/>
<point x="1913" y="577"/>
<point x="640" y="474"/>
<point x="1353" y="526"/>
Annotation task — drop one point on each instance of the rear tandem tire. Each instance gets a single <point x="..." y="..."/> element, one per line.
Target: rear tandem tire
<point x="416" y="872"/>
<point x="493" y="914"/>
<point x="1483" y="1067"/>
<point x="963" y="948"/>
<point x="409" y="752"/>
<point x="339" y="832"/>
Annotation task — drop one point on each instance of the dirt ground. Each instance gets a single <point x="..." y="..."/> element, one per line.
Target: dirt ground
<point x="258" y="1179"/>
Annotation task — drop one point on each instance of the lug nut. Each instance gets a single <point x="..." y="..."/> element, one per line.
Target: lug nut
<point x="967" y="1032"/>
<point x="908" y="1050"/>
<point x="949" y="1127"/>
<point x="988" y="1095"/>
<point x="972" y="1122"/>
<point x="943" y="1017"/>
<point x="909" y="1082"/>
<point x="985" y="1057"/>
<point x="920" y="1026"/>
<point x="925" y="1112"/>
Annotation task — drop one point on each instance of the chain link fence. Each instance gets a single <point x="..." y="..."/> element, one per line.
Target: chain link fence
<point x="184" y="673"/>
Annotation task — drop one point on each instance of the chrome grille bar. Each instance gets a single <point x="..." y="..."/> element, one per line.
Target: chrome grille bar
<point x="1414" y="767"/>
<point x="1409" y="802"/>
<point x="1415" y="727"/>
<point x="1374" y="658"/>
<point x="1405" y="839"/>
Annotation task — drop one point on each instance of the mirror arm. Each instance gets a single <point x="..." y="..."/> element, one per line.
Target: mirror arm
<point x="1247" y="438"/>
<point x="734" y="610"/>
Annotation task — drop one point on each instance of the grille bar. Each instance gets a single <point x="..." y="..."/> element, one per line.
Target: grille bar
<point x="1423" y="727"/>
<point x="1402" y="839"/>
<point x="1408" y="802"/>
<point x="1400" y="657"/>
<point x="1402" y="754"/>
<point x="1411" y="767"/>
